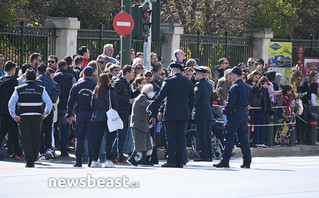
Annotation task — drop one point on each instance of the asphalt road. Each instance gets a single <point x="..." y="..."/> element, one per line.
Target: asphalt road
<point x="268" y="177"/>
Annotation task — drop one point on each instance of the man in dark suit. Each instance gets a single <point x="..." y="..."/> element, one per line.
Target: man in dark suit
<point x="236" y="111"/>
<point x="178" y="91"/>
<point x="202" y="113"/>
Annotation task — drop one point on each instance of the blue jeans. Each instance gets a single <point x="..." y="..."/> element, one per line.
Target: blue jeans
<point x="118" y="145"/>
<point x="64" y="130"/>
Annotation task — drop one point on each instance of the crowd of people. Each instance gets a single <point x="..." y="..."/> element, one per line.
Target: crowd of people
<point x="49" y="107"/>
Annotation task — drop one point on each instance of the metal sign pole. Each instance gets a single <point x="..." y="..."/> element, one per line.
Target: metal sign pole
<point x="147" y="44"/>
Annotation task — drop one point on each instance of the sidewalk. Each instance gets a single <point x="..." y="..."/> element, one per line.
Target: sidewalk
<point x="300" y="150"/>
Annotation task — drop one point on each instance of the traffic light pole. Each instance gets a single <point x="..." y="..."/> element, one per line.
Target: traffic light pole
<point x="147" y="44"/>
<point x="126" y="40"/>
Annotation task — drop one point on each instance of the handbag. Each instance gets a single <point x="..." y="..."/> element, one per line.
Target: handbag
<point x="114" y="121"/>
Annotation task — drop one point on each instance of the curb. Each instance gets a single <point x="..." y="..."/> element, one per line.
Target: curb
<point x="300" y="150"/>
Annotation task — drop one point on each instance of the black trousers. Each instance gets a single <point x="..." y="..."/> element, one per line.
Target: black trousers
<point x="175" y="137"/>
<point x="100" y="127"/>
<point x="30" y="128"/>
<point x="205" y="138"/>
<point x="8" y="125"/>
<point x="46" y="133"/>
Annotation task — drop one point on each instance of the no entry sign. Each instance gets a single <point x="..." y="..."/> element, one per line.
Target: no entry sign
<point x="123" y="24"/>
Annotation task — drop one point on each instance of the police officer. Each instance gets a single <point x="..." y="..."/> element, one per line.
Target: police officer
<point x="202" y="113"/>
<point x="178" y="91"/>
<point x="236" y="111"/>
<point x="81" y="94"/>
<point x="29" y="99"/>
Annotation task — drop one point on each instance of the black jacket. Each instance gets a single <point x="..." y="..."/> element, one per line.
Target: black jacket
<point x="7" y="84"/>
<point x="64" y="80"/>
<point x="123" y="90"/>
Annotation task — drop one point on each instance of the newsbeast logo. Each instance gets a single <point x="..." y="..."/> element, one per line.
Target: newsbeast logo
<point x="275" y="46"/>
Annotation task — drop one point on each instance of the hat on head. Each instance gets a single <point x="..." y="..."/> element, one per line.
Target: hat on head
<point x="201" y="70"/>
<point x="236" y="70"/>
<point x="88" y="70"/>
<point x="176" y="65"/>
<point x="148" y="71"/>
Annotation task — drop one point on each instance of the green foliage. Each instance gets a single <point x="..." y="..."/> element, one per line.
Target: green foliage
<point x="9" y="12"/>
<point x="296" y="18"/>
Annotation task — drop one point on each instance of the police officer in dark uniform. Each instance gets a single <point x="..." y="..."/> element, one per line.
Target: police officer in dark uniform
<point x="81" y="94"/>
<point x="26" y="108"/>
<point x="202" y="113"/>
<point x="236" y="111"/>
<point x="178" y="91"/>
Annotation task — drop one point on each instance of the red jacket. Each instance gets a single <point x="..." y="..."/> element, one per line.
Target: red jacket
<point x="287" y="100"/>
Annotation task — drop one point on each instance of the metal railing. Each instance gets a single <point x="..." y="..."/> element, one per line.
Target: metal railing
<point x="19" y="43"/>
<point x="209" y="49"/>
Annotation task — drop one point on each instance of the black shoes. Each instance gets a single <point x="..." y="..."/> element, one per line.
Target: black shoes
<point x="221" y="165"/>
<point x="245" y="166"/>
<point x="78" y="162"/>
<point x="29" y="164"/>
<point x="166" y="165"/>
<point x="132" y="161"/>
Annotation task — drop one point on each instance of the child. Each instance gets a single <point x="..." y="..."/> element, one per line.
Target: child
<point x="287" y="100"/>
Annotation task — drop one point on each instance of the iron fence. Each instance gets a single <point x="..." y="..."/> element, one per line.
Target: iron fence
<point x="209" y="49"/>
<point x="311" y="47"/>
<point x="19" y="43"/>
<point x="96" y="39"/>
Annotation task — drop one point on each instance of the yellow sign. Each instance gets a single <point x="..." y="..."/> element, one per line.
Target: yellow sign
<point x="280" y="58"/>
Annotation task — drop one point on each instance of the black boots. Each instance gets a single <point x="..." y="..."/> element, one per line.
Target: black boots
<point x="222" y="164"/>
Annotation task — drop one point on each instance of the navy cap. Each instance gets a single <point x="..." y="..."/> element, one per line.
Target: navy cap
<point x="201" y="70"/>
<point x="176" y="65"/>
<point x="88" y="70"/>
<point x="236" y="70"/>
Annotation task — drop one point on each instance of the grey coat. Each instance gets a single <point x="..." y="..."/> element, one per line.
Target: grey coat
<point x="139" y="124"/>
<point x="140" y="117"/>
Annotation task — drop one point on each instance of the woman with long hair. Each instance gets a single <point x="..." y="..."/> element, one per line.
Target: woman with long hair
<point x="100" y="104"/>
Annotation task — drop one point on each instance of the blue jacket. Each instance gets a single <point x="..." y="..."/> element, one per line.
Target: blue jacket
<point x="180" y="98"/>
<point x="50" y="85"/>
<point x="203" y="101"/>
<point x="238" y="97"/>
<point x="100" y="105"/>
<point x="81" y="94"/>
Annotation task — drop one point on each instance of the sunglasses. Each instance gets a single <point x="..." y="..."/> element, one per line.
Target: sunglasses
<point x="251" y="62"/>
<point x="226" y="63"/>
<point x="148" y="75"/>
<point x="162" y="74"/>
<point x="51" y="61"/>
<point x="101" y="62"/>
<point x="139" y="68"/>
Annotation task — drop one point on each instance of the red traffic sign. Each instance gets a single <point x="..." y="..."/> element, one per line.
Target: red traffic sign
<point x="123" y="24"/>
<point x="301" y="49"/>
